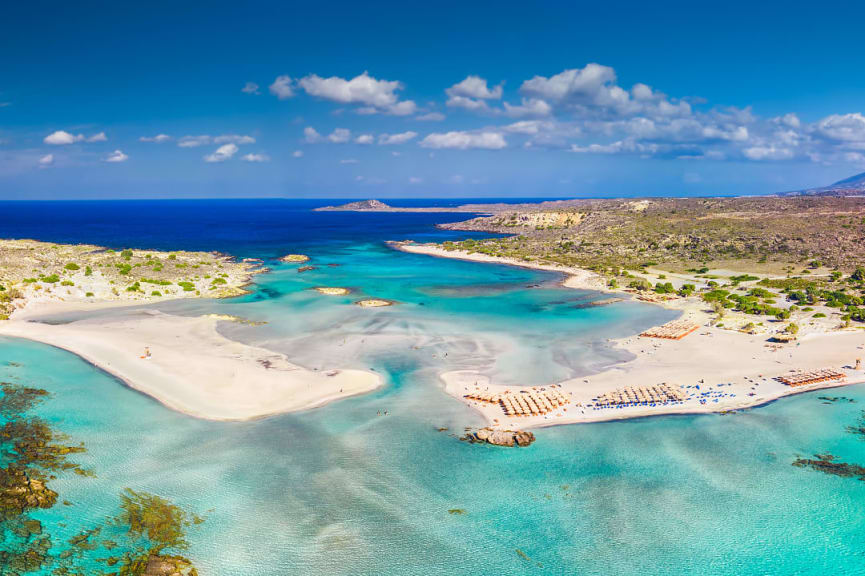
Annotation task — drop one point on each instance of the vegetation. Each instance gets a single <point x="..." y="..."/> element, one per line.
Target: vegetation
<point x="144" y="533"/>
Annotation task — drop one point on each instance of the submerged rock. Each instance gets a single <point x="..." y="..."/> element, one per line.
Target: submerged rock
<point x="500" y="437"/>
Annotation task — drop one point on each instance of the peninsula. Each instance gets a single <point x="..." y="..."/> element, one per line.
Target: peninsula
<point x="770" y="292"/>
<point x="181" y="361"/>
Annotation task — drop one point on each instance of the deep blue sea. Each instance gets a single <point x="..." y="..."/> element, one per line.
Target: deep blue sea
<point x="343" y="490"/>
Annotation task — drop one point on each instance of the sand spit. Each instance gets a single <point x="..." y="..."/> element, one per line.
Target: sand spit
<point x="187" y="365"/>
<point x="374" y="303"/>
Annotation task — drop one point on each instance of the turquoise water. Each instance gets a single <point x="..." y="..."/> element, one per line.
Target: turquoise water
<point x="343" y="490"/>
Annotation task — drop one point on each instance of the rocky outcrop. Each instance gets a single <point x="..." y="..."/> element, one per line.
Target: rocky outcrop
<point x="500" y="437"/>
<point x="361" y="206"/>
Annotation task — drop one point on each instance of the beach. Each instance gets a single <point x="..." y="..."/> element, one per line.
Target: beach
<point x="718" y="369"/>
<point x="190" y="366"/>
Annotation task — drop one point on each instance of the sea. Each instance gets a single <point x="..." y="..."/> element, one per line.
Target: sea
<point x="381" y="483"/>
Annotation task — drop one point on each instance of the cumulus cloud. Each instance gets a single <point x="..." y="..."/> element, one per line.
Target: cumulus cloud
<point x="221" y="154"/>
<point x="117" y="156"/>
<point x="46" y="160"/>
<point x="297" y="154"/>
<point x="402" y="138"/>
<point x="255" y="158"/>
<point x="465" y="140"/>
<point x="158" y="139"/>
<point x="282" y="87"/>
<point x="365" y="139"/>
<point x="339" y="136"/>
<point x="472" y="93"/>
<point x="311" y="135"/>
<point x="250" y="88"/>
<point x="61" y="138"/>
<point x="376" y="96"/>
<point x="842" y="127"/>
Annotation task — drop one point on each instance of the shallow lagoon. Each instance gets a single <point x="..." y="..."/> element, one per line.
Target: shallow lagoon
<point x="343" y="490"/>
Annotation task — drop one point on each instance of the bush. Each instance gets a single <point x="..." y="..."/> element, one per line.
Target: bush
<point x="88" y="271"/>
<point x="126" y="254"/>
<point x="187" y="286"/>
<point x="156" y="293"/>
<point x="72" y="266"/>
<point x="89" y="295"/>
<point x="67" y="283"/>
<point x="640" y="284"/>
<point x="52" y="279"/>
<point x="665" y="288"/>
<point x="792" y="328"/>
<point x="136" y="287"/>
<point x="686" y="290"/>
<point x="818" y="315"/>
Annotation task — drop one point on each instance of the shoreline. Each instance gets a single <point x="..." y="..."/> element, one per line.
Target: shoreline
<point x="192" y="368"/>
<point x="733" y="370"/>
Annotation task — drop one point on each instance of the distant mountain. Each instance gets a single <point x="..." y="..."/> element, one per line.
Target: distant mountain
<point x="852" y="186"/>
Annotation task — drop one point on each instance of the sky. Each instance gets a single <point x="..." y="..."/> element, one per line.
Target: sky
<point x="435" y="99"/>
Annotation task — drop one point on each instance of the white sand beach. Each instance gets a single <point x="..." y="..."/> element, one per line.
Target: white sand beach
<point x="191" y="368"/>
<point x="733" y="369"/>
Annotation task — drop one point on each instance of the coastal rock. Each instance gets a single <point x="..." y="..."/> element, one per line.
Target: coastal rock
<point x="496" y="437"/>
<point x="295" y="258"/>
<point x="360" y="206"/>
<point x="169" y="566"/>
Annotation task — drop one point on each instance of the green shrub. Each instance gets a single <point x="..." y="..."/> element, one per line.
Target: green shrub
<point x="67" y="283"/>
<point x="156" y="293"/>
<point x="52" y="279"/>
<point x="136" y="287"/>
<point x="187" y="286"/>
<point x="89" y="295"/>
<point x="818" y="315"/>
<point x="126" y="254"/>
<point x="72" y="266"/>
<point x="88" y="271"/>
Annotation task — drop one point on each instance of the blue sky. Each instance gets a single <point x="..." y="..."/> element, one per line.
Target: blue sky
<point x="445" y="99"/>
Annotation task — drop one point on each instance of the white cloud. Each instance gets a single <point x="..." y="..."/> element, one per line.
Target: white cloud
<point x="256" y="158"/>
<point x="234" y="138"/>
<point x="628" y="146"/>
<point x="158" y="139"/>
<point x="767" y="153"/>
<point x="471" y="94"/>
<point x="250" y="88"/>
<point x="117" y="156"/>
<point x="524" y="127"/>
<point x="223" y="153"/>
<point x="340" y="136"/>
<point x="402" y="138"/>
<point x="61" y="138"/>
<point x="193" y="141"/>
<point x="297" y="154"/>
<point x="282" y="87"/>
<point x="375" y="95"/>
<point x="365" y="139"/>
<point x="528" y="107"/>
<point x="842" y="127"/>
<point x="311" y="135"/>
<point x="475" y="87"/>
<point x="47" y="160"/>
<point x="431" y="117"/>
<point x="465" y="140"/>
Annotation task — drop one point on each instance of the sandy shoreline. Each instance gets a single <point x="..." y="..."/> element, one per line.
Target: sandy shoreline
<point x="192" y="368"/>
<point x="733" y="370"/>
